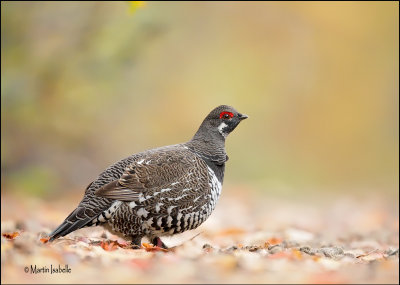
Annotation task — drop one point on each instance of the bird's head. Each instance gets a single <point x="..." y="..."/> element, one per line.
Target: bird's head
<point x="221" y="121"/>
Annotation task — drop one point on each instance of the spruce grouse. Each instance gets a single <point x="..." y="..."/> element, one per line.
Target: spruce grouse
<point x="162" y="191"/>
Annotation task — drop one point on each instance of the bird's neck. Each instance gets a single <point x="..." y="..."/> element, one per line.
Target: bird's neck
<point x="210" y="145"/>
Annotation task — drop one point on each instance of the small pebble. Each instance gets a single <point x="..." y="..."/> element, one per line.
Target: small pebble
<point x="332" y="251"/>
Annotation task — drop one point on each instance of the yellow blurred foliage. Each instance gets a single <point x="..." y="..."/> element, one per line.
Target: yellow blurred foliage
<point x="134" y="5"/>
<point x="318" y="80"/>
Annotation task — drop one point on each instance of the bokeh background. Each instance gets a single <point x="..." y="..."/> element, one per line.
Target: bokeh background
<point x="85" y="84"/>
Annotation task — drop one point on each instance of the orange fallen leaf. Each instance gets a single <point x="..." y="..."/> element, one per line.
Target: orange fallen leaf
<point x="150" y="247"/>
<point x="44" y="240"/>
<point x="273" y="241"/>
<point x="146" y="245"/>
<point x="109" y="246"/>
<point x="10" y="236"/>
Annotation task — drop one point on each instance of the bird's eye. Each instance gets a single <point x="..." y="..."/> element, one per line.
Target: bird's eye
<point x="225" y="115"/>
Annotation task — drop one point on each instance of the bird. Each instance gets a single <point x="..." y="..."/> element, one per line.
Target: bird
<point x="161" y="191"/>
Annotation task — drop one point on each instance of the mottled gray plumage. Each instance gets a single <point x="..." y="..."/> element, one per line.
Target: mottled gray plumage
<point x="161" y="191"/>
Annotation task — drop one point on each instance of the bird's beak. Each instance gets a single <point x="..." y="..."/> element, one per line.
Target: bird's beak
<point x="242" y="116"/>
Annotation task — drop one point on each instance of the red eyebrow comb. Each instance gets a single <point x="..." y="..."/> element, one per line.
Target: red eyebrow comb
<point x="223" y="113"/>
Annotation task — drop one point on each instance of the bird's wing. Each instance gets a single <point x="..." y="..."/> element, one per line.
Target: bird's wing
<point x="146" y="174"/>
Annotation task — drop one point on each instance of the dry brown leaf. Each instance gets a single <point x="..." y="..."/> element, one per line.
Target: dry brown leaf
<point x="272" y="241"/>
<point x="10" y="236"/>
<point x="146" y="245"/>
<point x="371" y="256"/>
<point x="110" y="245"/>
<point x="44" y="240"/>
<point x="150" y="247"/>
<point x="366" y="254"/>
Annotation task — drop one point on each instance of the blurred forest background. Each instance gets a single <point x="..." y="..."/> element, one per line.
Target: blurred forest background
<point x="85" y="84"/>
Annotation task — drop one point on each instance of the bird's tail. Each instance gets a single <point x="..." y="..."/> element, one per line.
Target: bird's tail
<point x="76" y="220"/>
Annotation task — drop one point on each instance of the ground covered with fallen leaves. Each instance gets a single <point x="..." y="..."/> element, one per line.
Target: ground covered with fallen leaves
<point x="250" y="238"/>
